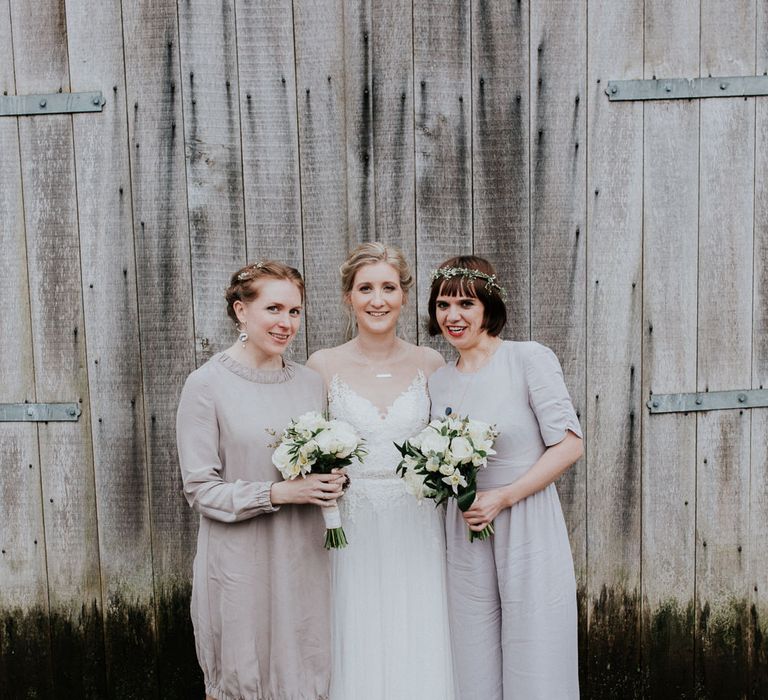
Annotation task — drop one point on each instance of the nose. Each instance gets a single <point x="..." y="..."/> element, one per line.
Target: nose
<point x="377" y="299"/>
<point x="452" y="314"/>
<point x="284" y="321"/>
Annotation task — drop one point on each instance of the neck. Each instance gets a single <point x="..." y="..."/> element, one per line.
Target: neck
<point x="377" y="347"/>
<point x="253" y="357"/>
<point x="473" y="358"/>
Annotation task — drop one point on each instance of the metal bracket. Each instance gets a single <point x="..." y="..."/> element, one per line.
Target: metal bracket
<point x="687" y="89"/>
<point x="39" y="412"/>
<point x="54" y="103"/>
<point x="707" y="401"/>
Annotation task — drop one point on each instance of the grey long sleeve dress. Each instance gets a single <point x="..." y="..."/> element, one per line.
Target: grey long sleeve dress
<point x="261" y="580"/>
<point x="512" y="598"/>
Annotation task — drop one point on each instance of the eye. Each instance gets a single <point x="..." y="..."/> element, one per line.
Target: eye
<point x="272" y="309"/>
<point x="364" y="288"/>
<point x="467" y="303"/>
<point x="442" y="304"/>
<point x="295" y="312"/>
<point x="390" y="288"/>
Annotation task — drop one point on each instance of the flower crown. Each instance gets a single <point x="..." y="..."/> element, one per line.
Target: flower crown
<point x="250" y="271"/>
<point x="491" y="284"/>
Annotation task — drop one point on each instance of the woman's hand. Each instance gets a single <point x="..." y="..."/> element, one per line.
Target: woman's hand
<point x="319" y="489"/>
<point x="486" y="506"/>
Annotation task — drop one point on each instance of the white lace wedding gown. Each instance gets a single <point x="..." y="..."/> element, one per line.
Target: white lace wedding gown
<point x="390" y="622"/>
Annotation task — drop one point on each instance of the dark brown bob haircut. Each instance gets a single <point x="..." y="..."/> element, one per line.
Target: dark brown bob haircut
<point x="494" y="310"/>
<point x="243" y="285"/>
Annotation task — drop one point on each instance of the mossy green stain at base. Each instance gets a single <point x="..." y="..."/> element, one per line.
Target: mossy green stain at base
<point x="613" y="663"/>
<point x="180" y="674"/>
<point x="25" y="654"/>
<point x="667" y="651"/>
<point x="723" y="657"/>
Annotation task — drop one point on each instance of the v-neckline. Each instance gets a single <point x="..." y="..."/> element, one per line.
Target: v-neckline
<point x="383" y="416"/>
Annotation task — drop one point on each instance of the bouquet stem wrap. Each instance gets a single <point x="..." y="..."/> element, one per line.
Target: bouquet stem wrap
<point x="335" y="538"/>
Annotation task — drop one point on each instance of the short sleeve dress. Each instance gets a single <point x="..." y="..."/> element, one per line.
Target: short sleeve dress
<point x="261" y="579"/>
<point x="512" y="597"/>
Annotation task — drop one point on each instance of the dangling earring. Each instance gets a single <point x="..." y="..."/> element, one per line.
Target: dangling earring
<point x="243" y="335"/>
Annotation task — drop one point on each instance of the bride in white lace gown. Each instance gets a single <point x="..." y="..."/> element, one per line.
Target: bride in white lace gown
<point x="390" y="622"/>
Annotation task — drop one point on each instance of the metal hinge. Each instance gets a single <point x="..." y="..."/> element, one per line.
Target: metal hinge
<point x="53" y="103"/>
<point x="687" y="89"/>
<point x="39" y="412"/>
<point x="707" y="401"/>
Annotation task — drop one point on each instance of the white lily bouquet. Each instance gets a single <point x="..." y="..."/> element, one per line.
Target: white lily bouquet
<point x="313" y="444"/>
<point x="442" y="460"/>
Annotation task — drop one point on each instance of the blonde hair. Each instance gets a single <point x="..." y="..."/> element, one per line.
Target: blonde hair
<point x="243" y="285"/>
<point x="370" y="254"/>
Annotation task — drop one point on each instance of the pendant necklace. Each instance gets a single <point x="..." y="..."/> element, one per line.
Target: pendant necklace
<point x="451" y="410"/>
<point x="378" y="375"/>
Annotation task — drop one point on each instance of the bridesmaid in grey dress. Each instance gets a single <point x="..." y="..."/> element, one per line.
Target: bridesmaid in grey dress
<point x="261" y="579"/>
<point x="512" y="597"/>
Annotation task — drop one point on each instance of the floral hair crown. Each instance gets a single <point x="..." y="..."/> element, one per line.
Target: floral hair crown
<point x="250" y="271"/>
<point x="491" y="284"/>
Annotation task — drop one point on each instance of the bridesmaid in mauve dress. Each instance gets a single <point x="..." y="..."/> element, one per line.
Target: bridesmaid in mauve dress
<point x="512" y="597"/>
<point x="261" y="579"/>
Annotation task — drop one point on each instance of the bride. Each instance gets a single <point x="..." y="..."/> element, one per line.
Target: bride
<point x="390" y="623"/>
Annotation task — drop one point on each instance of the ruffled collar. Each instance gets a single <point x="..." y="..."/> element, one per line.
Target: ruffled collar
<point x="261" y="376"/>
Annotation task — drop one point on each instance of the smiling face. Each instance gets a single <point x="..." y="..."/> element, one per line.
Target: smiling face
<point x="376" y="298"/>
<point x="272" y="318"/>
<point x="460" y="319"/>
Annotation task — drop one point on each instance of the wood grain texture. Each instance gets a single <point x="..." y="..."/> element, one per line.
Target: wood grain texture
<point x="393" y="157"/>
<point x="358" y="103"/>
<point x="614" y="316"/>
<point x="443" y="142"/>
<point x="319" y="46"/>
<point x="112" y="329"/>
<point x="758" y="479"/>
<point x="23" y="575"/>
<point x="66" y="459"/>
<point x="161" y="239"/>
<point x="271" y="177"/>
<point x="724" y="352"/>
<point x="500" y="149"/>
<point x="209" y="69"/>
<point x="670" y="258"/>
<point x="558" y="222"/>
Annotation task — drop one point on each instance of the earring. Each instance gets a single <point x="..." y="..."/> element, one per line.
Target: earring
<point x="243" y="335"/>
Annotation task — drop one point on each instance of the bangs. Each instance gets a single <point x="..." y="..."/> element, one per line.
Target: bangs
<point x="457" y="287"/>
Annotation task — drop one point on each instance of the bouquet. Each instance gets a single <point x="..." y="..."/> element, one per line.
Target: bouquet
<point x="441" y="462"/>
<point x="312" y="444"/>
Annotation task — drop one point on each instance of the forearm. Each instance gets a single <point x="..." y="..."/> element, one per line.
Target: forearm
<point x="554" y="462"/>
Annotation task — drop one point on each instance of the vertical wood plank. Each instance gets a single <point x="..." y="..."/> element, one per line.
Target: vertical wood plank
<point x="758" y="493"/>
<point x="112" y="342"/>
<point x="614" y="316"/>
<point x="724" y="351"/>
<point x="25" y="660"/>
<point x="670" y="250"/>
<point x="319" y="37"/>
<point x="161" y="239"/>
<point x="358" y="103"/>
<point x="500" y="150"/>
<point x="270" y="136"/>
<point x="443" y="142"/>
<point x="48" y="180"/>
<point x="393" y="157"/>
<point x="558" y="53"/>
<point x="209" y="68"/>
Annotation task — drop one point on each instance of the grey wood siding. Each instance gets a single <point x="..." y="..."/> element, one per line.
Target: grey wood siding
<point x="632" y="239"/>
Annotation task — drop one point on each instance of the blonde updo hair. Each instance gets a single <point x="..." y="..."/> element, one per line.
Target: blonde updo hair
<point x="243" y="285"/>
<point x="370" y="254"/>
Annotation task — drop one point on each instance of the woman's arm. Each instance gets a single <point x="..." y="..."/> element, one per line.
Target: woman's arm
<point x="553" y="462"/>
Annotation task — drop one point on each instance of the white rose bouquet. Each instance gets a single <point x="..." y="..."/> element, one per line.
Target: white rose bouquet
<point x="312" y="444"/>
<point x="441" y="462"/>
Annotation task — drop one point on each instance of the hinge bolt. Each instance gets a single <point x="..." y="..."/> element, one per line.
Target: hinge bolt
<point x="43" y="103"/>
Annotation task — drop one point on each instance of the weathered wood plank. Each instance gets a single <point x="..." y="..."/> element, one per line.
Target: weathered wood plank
<point x="270" y="137"/>
<point x="112" y="339"/>
<point x="358" y="103"/>
<point x="48" y="180"/>
<point x="209" y="68"/>
<point x="161" y="239"/>
<point x="443" y="142"/>
<point x="558" y="230"/>
<point x="614" y="317"/>
<point x="724" y="351"/>
<point x="670" y="250"/>
<point x="393" y="158"/>
<point x="758" y="479"/>
<point x="319" y="46"/>
<point x="500" y="149"/>
<point x="25" y="658"/>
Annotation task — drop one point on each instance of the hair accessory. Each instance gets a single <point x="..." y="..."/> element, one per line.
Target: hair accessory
<point x="490" y="280"/>
<point x="250" y="271"/>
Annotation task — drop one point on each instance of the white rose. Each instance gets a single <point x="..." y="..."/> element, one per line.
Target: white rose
<point x="447" y="469"/>
<point x="414" y="484"/>
<point x="310" y="422"/>
<point x="434" y="442"/>
<point x="345" y="436"/>
<point x="433" y="464"/>
<point x="281" y="458"/>
<point x="479" y="431"/>
<point x="436" y="424"/>
<point x="461" y="449"/>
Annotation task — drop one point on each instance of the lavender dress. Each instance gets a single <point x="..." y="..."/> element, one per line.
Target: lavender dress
<point x="512" y="598"/>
